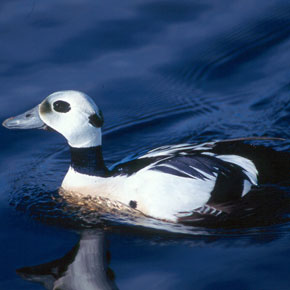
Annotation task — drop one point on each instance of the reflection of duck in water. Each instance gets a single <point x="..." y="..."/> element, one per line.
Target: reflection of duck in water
<point x="84" y="267"/>
<point x="172" y="183"/>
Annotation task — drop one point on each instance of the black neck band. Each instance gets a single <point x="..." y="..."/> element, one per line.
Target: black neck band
<point x="88" y="161"/>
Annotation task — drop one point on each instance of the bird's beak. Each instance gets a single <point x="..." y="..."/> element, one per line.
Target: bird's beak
<point x="27" y="120"/>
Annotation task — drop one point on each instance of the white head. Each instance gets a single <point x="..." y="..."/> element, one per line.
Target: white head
<point x="71" y="113"/>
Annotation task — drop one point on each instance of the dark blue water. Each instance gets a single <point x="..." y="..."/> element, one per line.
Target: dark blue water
<point x="163" y="72"/>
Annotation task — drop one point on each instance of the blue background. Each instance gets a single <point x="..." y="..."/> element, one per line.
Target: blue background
<point x="163" y="72"/>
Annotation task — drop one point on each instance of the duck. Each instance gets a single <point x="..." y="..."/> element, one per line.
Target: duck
<point x="171" y="183"/>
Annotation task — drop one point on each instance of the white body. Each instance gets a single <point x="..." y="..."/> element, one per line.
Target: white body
<point x="159" y="195"/>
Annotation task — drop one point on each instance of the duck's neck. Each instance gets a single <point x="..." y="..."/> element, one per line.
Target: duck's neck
<point x="88" y="161"/>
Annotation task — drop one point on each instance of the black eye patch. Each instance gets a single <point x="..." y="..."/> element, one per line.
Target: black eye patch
<point x="97" y="121"/>
<point x="61" y="106"/>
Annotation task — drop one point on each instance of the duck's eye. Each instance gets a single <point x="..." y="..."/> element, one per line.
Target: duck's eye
<point x="61" y="106"/>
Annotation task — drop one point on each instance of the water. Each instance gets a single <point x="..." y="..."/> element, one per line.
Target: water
<point x="163" y="72"/>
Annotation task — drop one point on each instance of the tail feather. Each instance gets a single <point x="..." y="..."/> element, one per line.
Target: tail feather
<point x="273" y="166"/>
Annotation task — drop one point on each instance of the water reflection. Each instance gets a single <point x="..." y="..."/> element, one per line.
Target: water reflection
<point x="85" y="266"/>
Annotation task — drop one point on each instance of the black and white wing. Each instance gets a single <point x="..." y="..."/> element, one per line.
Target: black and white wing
<point x="233" y="174"/>
<point x="271" y="166"/>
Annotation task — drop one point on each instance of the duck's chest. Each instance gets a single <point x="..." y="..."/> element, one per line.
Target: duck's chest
<point x="88" y="185"/>
<point x="104" y="195"/>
